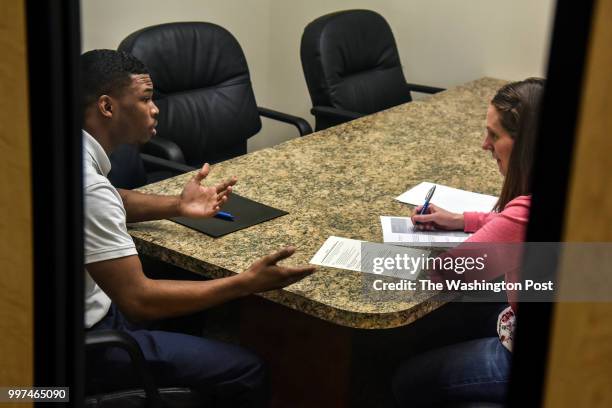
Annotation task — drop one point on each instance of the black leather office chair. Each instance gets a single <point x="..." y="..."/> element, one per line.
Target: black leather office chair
<point x="352" y="67"/>
<point x="203" y="91"/>
<point x="131" y="169"/>
<point x="149" y="395"/>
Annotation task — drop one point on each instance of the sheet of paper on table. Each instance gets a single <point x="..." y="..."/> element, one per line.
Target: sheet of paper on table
<point x="399" y="231"/>
<point x="449" y="198"/>
<point x="359" y="256"/>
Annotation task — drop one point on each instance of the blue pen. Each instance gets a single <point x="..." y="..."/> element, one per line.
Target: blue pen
<point x="224" y="216"/>
<point x="427" y="199"/>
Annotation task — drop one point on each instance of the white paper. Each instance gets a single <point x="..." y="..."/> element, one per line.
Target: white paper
<point x="340" y="253"/>
<point x="449" y="198"/>
<point x="399" y="231"/>
<point x="355" y="255"/>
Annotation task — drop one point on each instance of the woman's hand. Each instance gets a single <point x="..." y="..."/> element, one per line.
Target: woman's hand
<point x="436" y="218"/>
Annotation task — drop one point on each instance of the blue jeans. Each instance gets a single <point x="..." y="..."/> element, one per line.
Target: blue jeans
<point x="228" y="374"/>
<point x="476" y="370"/>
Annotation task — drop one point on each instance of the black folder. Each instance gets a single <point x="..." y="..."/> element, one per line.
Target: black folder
<point x="246" y="213"/>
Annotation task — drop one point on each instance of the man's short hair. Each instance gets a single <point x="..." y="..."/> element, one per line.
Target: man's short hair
<point x="107" y="72"/>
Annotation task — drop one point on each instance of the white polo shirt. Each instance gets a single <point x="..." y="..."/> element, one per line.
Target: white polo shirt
<point x="106" y="235"/>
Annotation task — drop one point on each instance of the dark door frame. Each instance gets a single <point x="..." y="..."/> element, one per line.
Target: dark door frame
<point x="54" y="46"/>
<point x="552" y="168"/>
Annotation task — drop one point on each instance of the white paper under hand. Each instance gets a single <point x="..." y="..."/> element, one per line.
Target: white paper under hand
<point x="449" y="198"/>
<point x="399" y="230"/>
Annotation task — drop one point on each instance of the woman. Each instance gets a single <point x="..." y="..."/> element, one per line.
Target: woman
<point x="478" y="370"/>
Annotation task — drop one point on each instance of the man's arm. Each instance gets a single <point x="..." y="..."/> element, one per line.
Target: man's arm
<point x="195" y="201"/>
<point x="147" y="207"/>
<point x="144" y="299"/>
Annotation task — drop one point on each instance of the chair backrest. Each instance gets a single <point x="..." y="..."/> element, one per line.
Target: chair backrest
<point x="350" y="62"/>
<point x="202" y="88"/>
<point x="127" y="168"/>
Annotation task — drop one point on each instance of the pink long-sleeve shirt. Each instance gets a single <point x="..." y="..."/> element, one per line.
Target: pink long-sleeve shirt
<point x="506" y="227"/>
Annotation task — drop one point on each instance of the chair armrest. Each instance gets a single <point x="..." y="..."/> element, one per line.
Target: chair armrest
<point x="300" y="123"/>
<point x="101" y="339"/>
<point x="156" y="163"/>
<point x="335" y="113"/>
<point x="424" y="88"/>
<point x="164" y="148"/>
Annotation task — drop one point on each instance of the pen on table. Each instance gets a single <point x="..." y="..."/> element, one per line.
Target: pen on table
<point x="224" y="216"/>
<point x="426" y="205"/>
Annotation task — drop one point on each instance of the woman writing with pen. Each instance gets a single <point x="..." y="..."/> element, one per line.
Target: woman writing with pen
<point x="478" y="370"/>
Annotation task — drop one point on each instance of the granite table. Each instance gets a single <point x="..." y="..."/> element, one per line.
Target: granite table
<point x="336" y="182"/>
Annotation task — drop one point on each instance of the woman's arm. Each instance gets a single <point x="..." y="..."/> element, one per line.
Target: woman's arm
<point x="498" y="237"/>
<point x="473" y="221"/>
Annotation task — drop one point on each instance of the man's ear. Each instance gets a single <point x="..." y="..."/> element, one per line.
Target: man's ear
<point x="105" y="106"/>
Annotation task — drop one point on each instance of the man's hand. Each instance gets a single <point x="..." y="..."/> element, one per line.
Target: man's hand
<point x="436" y="218"/>
<point x="264" y="274"/>
<point x="198" y="201"/>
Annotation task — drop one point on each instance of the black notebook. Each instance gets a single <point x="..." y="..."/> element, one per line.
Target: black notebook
<point x="246" y="213"/>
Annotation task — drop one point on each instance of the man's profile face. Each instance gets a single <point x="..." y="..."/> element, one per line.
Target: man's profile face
<point x="136" y="117"/>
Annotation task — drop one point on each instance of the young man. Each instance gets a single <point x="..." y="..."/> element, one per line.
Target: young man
<point x="118" y="108"/>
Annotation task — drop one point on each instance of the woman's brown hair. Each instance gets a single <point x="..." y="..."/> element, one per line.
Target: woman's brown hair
<point x="518" y="105"/>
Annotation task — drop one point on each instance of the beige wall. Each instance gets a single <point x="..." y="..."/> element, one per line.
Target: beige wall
<point x="441" y="42"/>
<point x="105" y="23"/>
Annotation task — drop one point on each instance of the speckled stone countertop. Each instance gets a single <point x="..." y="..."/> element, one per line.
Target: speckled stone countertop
<point x="338" y="182"/>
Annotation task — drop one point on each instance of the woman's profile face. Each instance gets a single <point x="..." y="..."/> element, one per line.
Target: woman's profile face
<point x="497" y="140"/>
